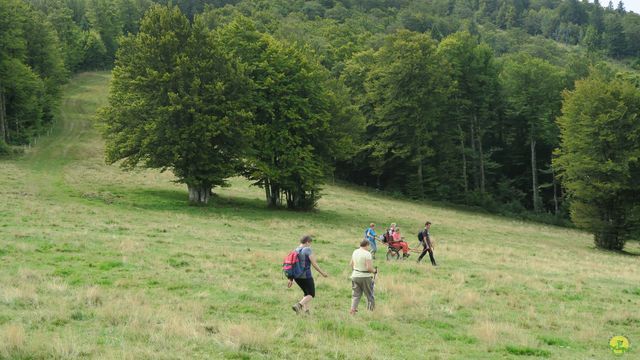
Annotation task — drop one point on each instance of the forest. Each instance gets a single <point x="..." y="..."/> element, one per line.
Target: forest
<point x="468" y="102"/>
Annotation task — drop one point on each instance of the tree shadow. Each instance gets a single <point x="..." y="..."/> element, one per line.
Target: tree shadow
<point x="623" y="252"/>
<point x="230" y="206"/>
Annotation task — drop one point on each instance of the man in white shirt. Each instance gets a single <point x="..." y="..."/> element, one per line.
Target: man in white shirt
<point x="362" y="276"/>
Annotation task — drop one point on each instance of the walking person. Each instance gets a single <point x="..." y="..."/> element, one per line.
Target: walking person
<point x="425" y="240"/>
<point x="362" y="277"/>
<point x="305" y="281"/>
<point x="370" y="235"/>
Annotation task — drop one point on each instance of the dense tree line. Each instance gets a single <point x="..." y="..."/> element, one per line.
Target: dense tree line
<point x="447" y="99"/>
<point x="30" y="71"/>
<point x="483" y="134"/>
<point x="42" y="42"/>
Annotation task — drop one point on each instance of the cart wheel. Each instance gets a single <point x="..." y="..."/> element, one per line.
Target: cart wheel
<point x="393" y="255"/>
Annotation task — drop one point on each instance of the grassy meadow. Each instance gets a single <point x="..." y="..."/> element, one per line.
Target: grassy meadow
<point x="101" y="263"/>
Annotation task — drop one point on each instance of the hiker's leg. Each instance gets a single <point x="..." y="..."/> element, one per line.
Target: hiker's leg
<point x="405" y="247"/>
<point x="356" y="294"/>
<point x="424" y="252"/>
<point x="368" y="292"/>
<point x="305" y="300"/>
<point x="374" y="247"/>
<point x="433" y="260"/>
<point x="309" y="294"/>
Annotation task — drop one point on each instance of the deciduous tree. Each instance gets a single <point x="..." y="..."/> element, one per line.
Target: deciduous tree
<point x="177" y="103"/>
<point x="599" y="157"/>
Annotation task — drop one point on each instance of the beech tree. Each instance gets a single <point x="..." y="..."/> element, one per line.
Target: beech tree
<point x="599" y="157"/>
<point x="177" y="103"/>
<point x="296" y="114"/>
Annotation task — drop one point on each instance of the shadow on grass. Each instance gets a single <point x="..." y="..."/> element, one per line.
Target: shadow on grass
<point x="629" y="253"/>
<point x="624" y="252"/>
<point x="248" y="208"/>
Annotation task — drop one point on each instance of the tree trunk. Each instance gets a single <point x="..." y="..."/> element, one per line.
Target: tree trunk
<point x="474" y="155"/>
<point x="273" y="194"/>
<point x="3" y="115"/>
<point x="267" y="191"/>
<point x="199" y="194"/>
<point x="608" y="235"/>
<point x="420" y="177"/>
<point x="555" y="191"/>
<point x="480" y="156"/>
<point x="534" y="174"/>
<point x="464" y="161"/>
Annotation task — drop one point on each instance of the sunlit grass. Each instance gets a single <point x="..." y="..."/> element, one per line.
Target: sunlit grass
<point x="101" y="263"/>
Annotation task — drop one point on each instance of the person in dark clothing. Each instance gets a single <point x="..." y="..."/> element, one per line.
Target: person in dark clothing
<point x="425" y="241"/>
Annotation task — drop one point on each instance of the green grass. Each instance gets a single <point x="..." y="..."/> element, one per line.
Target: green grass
<point x="100" y="263"/>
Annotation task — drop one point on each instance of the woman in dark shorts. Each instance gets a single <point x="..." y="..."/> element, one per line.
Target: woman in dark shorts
<point x="305" y="282"/>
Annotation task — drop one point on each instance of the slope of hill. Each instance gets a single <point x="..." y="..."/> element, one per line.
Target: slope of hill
<point x="105" y="264"/>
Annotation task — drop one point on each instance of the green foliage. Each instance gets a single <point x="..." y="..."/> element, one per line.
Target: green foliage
<point x="526" y="351"/>
<point x="4" y="148"/>
<point x="95" y="53"/>
<point x="294" y="106"/>
<point x="104" y="17"/>
<point x="614" y="37"/>
<point x="473" y="104"/>
<point x="177" y="103"/>
<point x="533" y="107"/>
<point x="407" y="89"/>
<point x="31" y="72"/>
<point x="599" y="155"/>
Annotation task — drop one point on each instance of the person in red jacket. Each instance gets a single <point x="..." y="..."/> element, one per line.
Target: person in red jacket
<point x="399" y="243"/>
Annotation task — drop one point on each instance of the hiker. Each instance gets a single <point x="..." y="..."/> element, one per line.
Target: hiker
<point x="362" y="276"/>
<point x="370" y="235"/>
<point x="425" y="240"/>
<point x="305" y="281"/>
<point x="399" y="243"/>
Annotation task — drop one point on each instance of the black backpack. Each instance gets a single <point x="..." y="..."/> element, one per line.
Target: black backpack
<point x="420" y="236"/>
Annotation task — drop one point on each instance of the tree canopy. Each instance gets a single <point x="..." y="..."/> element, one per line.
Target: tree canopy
<point x="178" y="103"/>
<point x="599" y="157"/>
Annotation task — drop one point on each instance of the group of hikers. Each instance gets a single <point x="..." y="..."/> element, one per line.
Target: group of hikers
<point x="297" y="265"/>
<point x="393" y="238"/>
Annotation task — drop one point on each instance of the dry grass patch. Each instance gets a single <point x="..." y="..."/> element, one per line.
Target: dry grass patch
<point x="57" y="285"/>
<point x="13" y="339"/>
<point x="247" y="336"/>
<point x="467" y="299"/>
<point x="24" y="296"/>
<point x="92" y="296"/>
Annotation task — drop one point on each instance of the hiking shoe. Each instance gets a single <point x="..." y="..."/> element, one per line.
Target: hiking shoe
<point x="297" y="307"/>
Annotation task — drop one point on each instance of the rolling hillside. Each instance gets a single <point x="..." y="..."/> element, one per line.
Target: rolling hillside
<point x="100" y="263"/>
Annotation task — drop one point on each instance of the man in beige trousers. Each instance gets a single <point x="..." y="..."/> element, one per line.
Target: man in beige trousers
<point x="362" y="276"/>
